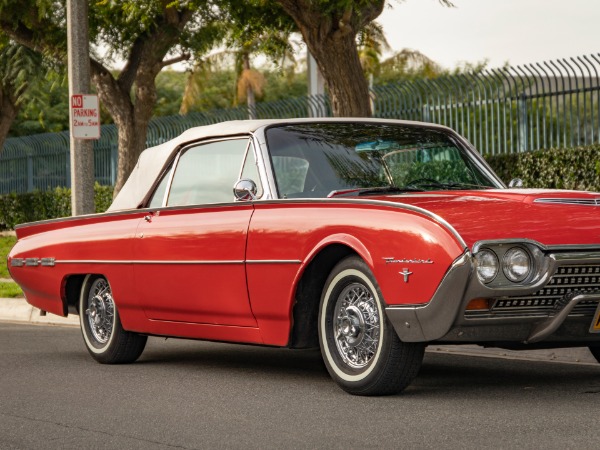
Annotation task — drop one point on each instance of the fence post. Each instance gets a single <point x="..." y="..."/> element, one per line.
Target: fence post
<point x="29" y="173"/>
<point x="522" y="123"/>
<point x="426" y="116"/>
<point x="68" y="152"/>
<point x="113" y="163"/>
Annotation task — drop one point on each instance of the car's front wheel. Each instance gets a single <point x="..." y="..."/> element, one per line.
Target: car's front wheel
<point x="104" y="337"/>
<point x="361" y="350"/>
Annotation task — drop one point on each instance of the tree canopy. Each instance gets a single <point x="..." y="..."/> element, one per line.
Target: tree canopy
<point x="147" y="35"/>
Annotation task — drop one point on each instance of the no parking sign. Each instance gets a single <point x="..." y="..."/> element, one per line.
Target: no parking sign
<point x="85" y="116"/>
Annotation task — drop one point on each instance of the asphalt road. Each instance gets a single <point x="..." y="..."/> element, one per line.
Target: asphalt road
<point x="185" y="394"/>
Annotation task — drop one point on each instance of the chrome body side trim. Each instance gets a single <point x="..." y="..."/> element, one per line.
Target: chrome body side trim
<point x="273" y="261"/>
<point x="569" y="201"/>
<point x="351" y="201"/>
<point x="191" y="262"/>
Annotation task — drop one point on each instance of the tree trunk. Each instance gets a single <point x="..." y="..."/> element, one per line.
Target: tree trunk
<point x="339" y="63"/>
<point x="330" y="35"/>
<point x="8" y="114"/>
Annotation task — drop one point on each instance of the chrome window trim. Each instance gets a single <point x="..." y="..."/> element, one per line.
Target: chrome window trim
<point x="265" y="167"/>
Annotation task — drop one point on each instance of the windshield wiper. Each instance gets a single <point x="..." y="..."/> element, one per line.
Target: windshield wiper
<point x="431" y="183"/>
<point x="373" y="191"/>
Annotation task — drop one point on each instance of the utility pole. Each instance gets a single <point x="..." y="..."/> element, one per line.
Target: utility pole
<point x="316" y="88"/>
<point x="82" y="151"/>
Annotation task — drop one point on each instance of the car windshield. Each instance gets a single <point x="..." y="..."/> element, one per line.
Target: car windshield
<point x="326" y="159"/>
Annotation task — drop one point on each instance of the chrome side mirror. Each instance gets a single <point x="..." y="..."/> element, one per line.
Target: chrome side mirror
<point x="515" y="183"/>
<point x="245" y="190"/>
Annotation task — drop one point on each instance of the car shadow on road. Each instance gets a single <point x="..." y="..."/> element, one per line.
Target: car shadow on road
<point x="474" y="374"/>
<point x="233" y="357"/>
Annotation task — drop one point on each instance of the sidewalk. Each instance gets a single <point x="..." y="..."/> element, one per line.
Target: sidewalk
<point x="18" y="310"/>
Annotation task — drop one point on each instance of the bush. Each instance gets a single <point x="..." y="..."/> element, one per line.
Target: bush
<point x="566" y="168"/>
<point x="41" y="205"/>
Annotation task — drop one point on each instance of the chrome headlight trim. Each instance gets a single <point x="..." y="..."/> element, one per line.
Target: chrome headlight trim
<point x="541" y="266"/>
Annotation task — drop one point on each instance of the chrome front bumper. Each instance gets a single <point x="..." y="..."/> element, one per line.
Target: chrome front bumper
<point x="443" y="319"/>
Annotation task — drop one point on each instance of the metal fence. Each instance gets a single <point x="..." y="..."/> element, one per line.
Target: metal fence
<point x="505" y="110"/>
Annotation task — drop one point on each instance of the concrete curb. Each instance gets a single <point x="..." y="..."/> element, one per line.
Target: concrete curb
<point x="19" y="311"/>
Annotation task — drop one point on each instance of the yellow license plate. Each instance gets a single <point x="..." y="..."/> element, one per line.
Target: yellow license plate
<point x="595" y="328"/>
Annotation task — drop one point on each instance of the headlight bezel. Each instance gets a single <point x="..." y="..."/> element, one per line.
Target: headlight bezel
<point x="538" y="263"/>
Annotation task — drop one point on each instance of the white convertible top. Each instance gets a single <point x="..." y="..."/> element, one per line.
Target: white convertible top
<point x="152" y="160"/>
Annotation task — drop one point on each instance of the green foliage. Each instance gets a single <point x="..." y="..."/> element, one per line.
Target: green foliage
<point x="566" y="168"/>
<point x="169" y="92"/>
<point x="6" y="243"/>
<point x="41" y="205"/>
<point x="10" y="290"/>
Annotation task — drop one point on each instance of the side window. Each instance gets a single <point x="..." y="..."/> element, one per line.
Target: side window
<point x="159" y="193"/>
<point x="291" y="174"/>
<point x="206" y="173"/>
<point x="250" y="170"/>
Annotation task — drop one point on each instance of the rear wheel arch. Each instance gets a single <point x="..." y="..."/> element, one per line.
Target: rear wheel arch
<point x="71" y="291"/>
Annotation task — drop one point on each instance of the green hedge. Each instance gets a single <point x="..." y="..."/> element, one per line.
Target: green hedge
<point x="41" y="205"/>
<point x="566" y="168"/>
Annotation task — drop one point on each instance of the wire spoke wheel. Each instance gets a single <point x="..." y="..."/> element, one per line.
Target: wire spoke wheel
<point x="101" y="311"/>
<point x="356" y="325"/>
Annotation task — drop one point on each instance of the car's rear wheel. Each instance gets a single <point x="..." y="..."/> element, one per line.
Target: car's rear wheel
<point x="595" y="350"/>
<point x="104" y="337"/>
<point x="360" y="348"/>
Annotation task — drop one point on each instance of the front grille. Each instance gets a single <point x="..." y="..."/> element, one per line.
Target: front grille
<point x="583" y="279"/>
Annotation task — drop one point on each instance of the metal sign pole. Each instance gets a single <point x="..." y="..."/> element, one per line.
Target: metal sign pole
<point x="82" y="151"/>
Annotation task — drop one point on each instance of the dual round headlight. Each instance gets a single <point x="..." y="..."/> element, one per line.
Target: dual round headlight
<point x="516" y="265"/>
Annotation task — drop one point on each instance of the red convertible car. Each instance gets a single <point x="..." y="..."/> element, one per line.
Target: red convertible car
<point x="367" y="238"/>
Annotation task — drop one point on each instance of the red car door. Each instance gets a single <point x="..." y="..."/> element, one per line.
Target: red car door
<point x="190" y="253"/>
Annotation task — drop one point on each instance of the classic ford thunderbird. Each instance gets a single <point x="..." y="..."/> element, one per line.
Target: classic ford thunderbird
<point x="367" y="238"/>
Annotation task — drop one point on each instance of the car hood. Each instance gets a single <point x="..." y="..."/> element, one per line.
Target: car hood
<point x="550" y="217"/>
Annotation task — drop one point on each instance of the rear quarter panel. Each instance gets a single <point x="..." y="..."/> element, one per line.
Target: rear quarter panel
<point x="77" y="246"/>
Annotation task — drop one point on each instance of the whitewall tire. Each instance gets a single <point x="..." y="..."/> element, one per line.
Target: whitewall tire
<point x="101" y="328"/>
<point x="360" y="348"/>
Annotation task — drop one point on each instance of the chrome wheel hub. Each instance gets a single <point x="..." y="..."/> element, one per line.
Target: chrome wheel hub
<point x="101" y="311"/>
<point x="356" y="325"/>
